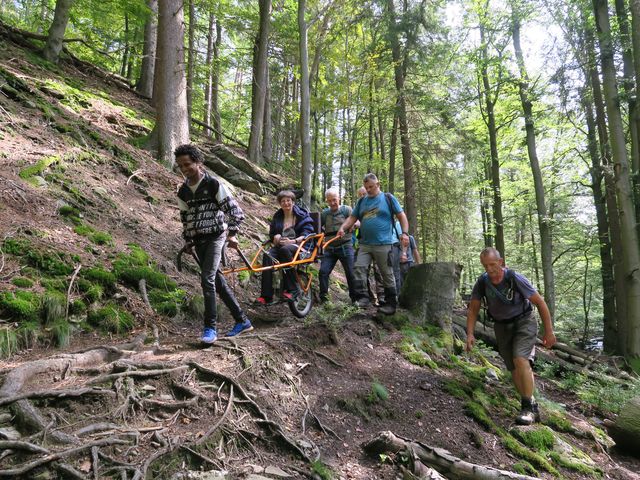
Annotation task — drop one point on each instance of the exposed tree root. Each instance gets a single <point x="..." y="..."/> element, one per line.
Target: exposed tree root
<point x="51" y="457"/>
<point x="274" y="427"/>
<point x="76" y="392"/>
<point x="438" y="458"/>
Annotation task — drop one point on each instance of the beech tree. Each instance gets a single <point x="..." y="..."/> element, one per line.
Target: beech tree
<point x="172" y="118"/>
<point x="53" y="46"/>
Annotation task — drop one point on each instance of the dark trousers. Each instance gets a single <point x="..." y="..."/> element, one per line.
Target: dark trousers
<point x="329" y="259"/>
<point x="283" y="254"/>
<point x="212" y="281"/>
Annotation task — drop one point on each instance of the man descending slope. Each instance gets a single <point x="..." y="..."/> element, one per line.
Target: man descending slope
<point x="509" y="296"/>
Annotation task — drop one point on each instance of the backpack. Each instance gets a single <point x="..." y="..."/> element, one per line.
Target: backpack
<point x="508" y="299"/>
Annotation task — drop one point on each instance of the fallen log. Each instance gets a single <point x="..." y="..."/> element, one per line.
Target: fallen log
<point x="441" y="460"/>
<point x="625" y="431"/>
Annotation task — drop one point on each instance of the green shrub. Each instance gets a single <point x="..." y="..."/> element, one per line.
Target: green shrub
<point x="100" y="276"/>
<point x="8" y="342"/>
<point x="132" y="276"/>
<point x="69" y="211"/>
<point x="22" y="282"/>
<point x="378" y="393"/>
<point x="54" y="284"/>
<point x="83" y="230"/>
<point x="101" y="238"/>
<point x="53" y="306"/>
<point x="48" y="262"/>
<point x="61" y="333"/>
<point x="28" y="333"/>
<point x="77" y="307"/>
<point x="16" y="246"/>
<point x="21" y="305"/>
<point x="112" y="318"/>
<point x="167" y="303"/>
<point x="195" y="307"/>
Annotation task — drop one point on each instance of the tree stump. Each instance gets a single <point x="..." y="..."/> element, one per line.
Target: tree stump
<point x="626" y="429"/>
<point x="429" y="290"/>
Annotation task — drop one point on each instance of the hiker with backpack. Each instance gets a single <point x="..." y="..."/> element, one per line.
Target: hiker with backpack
<point x="289" y="227"/>
<point x="405" y="254"/>
<point x="341" y="250"/>
<point x="509" y="297"/>
<point x="375" y="212"/>
<point x="210" y="218"/>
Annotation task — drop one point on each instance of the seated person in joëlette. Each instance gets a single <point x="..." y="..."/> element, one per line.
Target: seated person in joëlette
<point x="289" y="227"/>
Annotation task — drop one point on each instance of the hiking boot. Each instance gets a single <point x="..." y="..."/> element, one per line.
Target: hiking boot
<point x="239" y="328"/>
<point x="387" y="309"/>
<point x="209" y="335"/>
<point x="528" y="415"/>
<point x="362" y="302"/>
<point x="264" y="301"/>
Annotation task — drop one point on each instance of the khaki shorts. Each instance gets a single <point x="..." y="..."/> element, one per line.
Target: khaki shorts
<point x="517" y="339"/>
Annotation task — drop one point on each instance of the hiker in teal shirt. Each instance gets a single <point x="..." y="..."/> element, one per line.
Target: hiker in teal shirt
<point x="376" y="212"/>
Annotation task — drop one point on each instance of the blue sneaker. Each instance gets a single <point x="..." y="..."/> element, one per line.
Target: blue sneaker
<point x="209" y="335"/>
<point x="239" y="328"/>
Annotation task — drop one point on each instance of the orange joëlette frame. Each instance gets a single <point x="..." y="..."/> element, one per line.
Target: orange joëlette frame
<point x="254" y="266"/>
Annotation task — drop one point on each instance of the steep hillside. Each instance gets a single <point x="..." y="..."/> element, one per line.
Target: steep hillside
<point x="96" y="383"/>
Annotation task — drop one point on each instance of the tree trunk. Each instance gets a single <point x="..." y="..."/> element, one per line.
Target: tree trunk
<point x="267" y="134"/>
<point x="430" y="290"/>
<point x="53" y="46"/>
<point x="305" y="104"/>
<point x="546" y="245"/>
<point x="626" y="430"/>
<point x="606" y="260"/>
<point x="392" y="153"/>
<point x="490" y="121"/>
<point x="215" y="83"/>
<point x="635" y="41"/>
<point x="172" y="121"/>
<point x="399" y="68"/>
<point x="258" y="86"/>
<point x="191" y="55"/>
<point x="208" y="85"/>
<point x="630" y="252"/>
<point x="125" y="52"/>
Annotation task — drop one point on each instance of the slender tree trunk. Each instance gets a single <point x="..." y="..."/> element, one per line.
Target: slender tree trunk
<point x="145" y="83"/>
<point x="534" y="251"/>
<point x="53" y="46"/>
<point x="546" y="242"/>
<point x="407" y="158"/>
<point x="258" y="86"/>
<point x="305" y="104"/>
<point x="606" y="260"/>
<point x="370" y="156"/>
<point x="635" y="114"/>
<point x="172" y="120"/>
<point x="612" y="208"/>
<point x="125" y="52"/>
<point x="208" y="86"/>
<point x="191" y="60"/>
<point x="267" y="134"/>
<point x="316" y="161"/>
<point x="630" y="252"/>
<point x="215" y="83"/>
<point x="392" y="153"/>
<point x="493" y="144"/>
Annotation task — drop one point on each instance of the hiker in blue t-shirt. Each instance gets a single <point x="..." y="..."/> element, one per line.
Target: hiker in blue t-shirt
<point x="375" y="212"/>
<point x="508" y="297"/>
<point x="331" y="220"/>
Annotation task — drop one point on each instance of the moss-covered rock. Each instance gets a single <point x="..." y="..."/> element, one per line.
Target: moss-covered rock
<point x="100" y="276"/>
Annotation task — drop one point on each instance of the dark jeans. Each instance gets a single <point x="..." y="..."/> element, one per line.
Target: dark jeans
<point x="329" y="259"/>
<point x="209" y="254"/>
<point x="283" y="254"/>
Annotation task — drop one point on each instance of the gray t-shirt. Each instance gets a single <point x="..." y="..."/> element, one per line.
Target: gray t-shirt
<point x="498" y="303"/>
